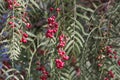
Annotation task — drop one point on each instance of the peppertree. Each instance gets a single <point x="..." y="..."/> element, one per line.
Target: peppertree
<point x="59" y="39"/>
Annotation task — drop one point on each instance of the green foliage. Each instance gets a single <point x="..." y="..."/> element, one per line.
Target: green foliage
<point x="89" y="26"/>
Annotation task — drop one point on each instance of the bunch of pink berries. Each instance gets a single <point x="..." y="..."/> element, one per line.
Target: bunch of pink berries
<point x="12" y="3"/>
<point x="24" y="37"/>
<point x="112" y="54"/>
<point x="43" y="70"/>
<point x="27" y="26"/>
<point x="110" y="75"/>
<point x="52" y="27"/>
<point x="61" y="52"/>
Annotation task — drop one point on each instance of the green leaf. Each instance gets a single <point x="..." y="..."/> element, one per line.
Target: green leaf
<point x="30" y="34"/>
<point x="84" y="8"/>
<point x="35" y="4"/>
<point x="83" y="16"/>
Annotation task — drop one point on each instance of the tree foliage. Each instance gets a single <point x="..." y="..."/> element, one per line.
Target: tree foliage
<point x="30" y="41"/>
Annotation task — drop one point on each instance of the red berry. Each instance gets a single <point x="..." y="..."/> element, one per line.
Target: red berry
<point x="42" y="68"/>
<point x="45" y="73"/>
<point x="10" y="6"/>
<point x="59" y="63"/>
<point x="114" y="52"/>
<point x="109" y="51"/>
<point x="51" y="9"/>
<point x="6" y="63"/>
<point x="61" y="53"/>
<point x="38" y="63"/>
<point x="58" y="9"/>
<point x="65" y="57"/>
<point x="28" y="25"/>
<point x="78" y="71"/>
<point x="10" y="23"/>
<point x="25" y="35"/>
<point x="43" y="77"/>
<point x="110" y="56"/>
<point x="115" y="57"/>
<point x="118" y="62"/>
<point x="49" y="33"/>
<point x="111" y="74"/>
<point x="106" y="78"/>
<point x="61" y="37"/>
<point x="100" y="65"/>
<point x="24" y="40"/>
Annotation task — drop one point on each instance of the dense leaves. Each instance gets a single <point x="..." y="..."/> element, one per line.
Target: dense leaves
<point x="59" y="40"/>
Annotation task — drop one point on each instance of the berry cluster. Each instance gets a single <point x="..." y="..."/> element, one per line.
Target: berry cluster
<point x="12" y="3"/>
<point x="109" y="75"/>
<point x="24" y="37"/>
<point x="59" y="63"/>
<point x="43" y="71"/>
<point x="100" y="60"/>
<point x="61" y="52"/>
<point x="27" y="26"/>
<point x="24" y="19"/>
<point x="118" y="62"/>
<point x="12" y="24"/>
<point x="112" y="54"/>
<point x="52" y="27"/>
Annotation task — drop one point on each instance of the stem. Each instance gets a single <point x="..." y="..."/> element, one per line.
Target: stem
<point x="13" y="34"/>
<point x="29" y="69"/>
<point x="74" y="23"/>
